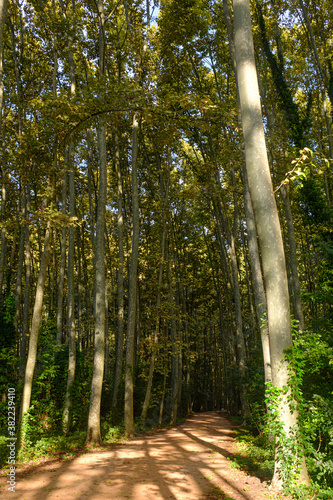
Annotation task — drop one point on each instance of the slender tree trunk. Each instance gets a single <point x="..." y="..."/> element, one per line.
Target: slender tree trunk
<point x="120" y="284"/>
<point x="62" y="264"/>
<point x="94" y="431"/>
<point x="163" y="207"/>
<point x="267" y="220"/>
<point x="71" y="298"/>
<point x="3" y="251"/>
<point x="25" y="318"/>
<point x="157" y="328"/>
<point x="132" y="301"/>
<point x="240" y="343"/>
<point x="296" y="288"/>
<point x="71" y="256"/>
<point x="33" y="340"/>
<point x="18" y="288"/>
<point x="175" y="348"/>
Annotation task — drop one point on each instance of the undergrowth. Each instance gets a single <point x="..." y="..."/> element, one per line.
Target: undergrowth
<point x="256" y="456"/>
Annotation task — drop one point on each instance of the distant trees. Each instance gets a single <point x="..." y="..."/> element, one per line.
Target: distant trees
<point x="130" y="270"/>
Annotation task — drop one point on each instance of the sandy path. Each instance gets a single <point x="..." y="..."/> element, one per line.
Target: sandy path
<point x="183" y="463"/>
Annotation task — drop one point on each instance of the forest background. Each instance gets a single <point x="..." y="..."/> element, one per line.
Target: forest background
<point x="130" y="273"/>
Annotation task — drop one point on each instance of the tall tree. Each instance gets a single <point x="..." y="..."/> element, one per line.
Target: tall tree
<point x="3" y="15"/>
<point x="94" y="432"/>
<point x="268" y="224"/>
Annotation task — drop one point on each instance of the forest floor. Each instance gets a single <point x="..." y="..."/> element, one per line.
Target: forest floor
<point x="187" y="462"/>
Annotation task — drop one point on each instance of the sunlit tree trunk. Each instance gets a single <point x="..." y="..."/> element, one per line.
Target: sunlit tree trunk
<point x="267" y="221"/>
<point x="33" y="339"/>
<point x="257" y="281"/>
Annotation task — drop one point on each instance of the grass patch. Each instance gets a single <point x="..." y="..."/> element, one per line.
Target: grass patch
<point x="53" y="446"/>
<point x="254" y="454"/>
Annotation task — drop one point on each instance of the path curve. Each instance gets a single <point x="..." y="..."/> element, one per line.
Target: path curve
<point x="188" y="462"/>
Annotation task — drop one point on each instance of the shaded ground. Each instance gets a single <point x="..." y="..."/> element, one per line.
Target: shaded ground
<point x="188" y="462"/>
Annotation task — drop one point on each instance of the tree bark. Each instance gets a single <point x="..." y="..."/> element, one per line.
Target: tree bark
<point x="132" y="302"/>
<point x="120" y="283"/>
<point x="267" y="221"/>
<point x="33" y="340"/>
<point x="70" y="298"/>
<point x="296" y="288"/>
<point x="25" y="318"/>
<point x="71" y="256"/>
<point x="257" y="281"/>
<point x="94" y="431"/>
<point x="62" y="264"/>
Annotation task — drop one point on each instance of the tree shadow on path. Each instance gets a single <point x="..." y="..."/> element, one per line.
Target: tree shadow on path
<point x="182" y="463"/>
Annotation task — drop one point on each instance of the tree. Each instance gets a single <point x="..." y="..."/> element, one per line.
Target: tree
<point x="94" y="433"/>
<point x="268" y="225"/>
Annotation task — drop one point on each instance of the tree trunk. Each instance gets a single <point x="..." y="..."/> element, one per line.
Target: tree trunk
<point x="120" y="284"/>
<point x="94" y="431"/>
<point x="157" y="328"/>
<point x="267" y="221"/>
<point x="132" y="303"/>
<point x="25" y="318"/>
<point x="296" y="288"/>
<point x="62" y="264"/>
<point x="257" y="281"/>
<point x="71" y="256"/>
<point x="163" y="207"/>
<point x="71" y="298"/>
<point x="175" y="348"/>
<point x="18" y="288"/>
<point x="240" y="344"/>
<point x="33" y="340"/>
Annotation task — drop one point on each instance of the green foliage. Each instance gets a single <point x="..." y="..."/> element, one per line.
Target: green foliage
<point x="7" y="329"/>
<point x="311" y="360"/>
<point x="254" y="454"/>
<point x="49" y="446"/>
<point x="112" y="434"/>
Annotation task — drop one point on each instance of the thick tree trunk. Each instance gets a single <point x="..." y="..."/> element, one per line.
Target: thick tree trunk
<point x="267" y="221"/>
<point x="132" y="302"/>
<point x="257" y="281"/>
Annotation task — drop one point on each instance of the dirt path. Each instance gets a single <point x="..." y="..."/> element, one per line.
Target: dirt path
<point x="188" y="462"/>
